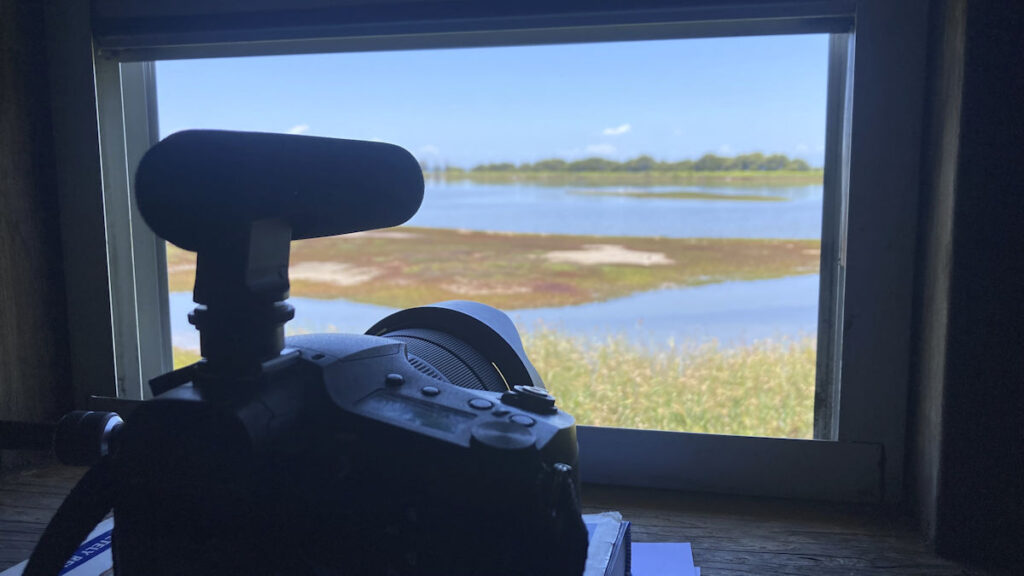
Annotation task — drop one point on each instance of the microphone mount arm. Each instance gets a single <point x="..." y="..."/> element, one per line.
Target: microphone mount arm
<point x="241" y="285"/>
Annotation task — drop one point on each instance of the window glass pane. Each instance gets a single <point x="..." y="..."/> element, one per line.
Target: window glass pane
<point x="649" y="213"/>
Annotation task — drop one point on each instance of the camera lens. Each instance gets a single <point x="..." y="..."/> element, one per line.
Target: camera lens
<point x="471" y="345"/>
<point x="457" y="361"/>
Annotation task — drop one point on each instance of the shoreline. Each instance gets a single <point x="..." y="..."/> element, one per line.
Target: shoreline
<point x="410" y="266"/>
<point x="735" y="178"/>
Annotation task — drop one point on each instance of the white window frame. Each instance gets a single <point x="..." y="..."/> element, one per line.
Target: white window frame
<point x="872" y="159"/>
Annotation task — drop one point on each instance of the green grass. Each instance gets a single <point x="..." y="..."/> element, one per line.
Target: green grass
<point x="679" y="195"/>
<point x="764" y="389"/>
<point x="734" y="178"/>
<point x="416" y="266"/>
<point x="184" y="356"/>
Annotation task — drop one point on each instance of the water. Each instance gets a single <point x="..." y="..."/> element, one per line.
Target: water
<point x="731" y="312"/>
<point x="557" y="210"/>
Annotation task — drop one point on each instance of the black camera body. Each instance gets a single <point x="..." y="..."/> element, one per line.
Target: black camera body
<point x="347" y="456"/>
<point x="426" y="446"/>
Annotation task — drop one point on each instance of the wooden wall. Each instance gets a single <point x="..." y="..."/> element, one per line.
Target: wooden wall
<point x="35" y="381"/>
<point x="968" y="426"/>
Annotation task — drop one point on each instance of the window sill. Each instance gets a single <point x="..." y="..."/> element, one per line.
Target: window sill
<point x="744" y="535"/>
<point x="730" y="535"/>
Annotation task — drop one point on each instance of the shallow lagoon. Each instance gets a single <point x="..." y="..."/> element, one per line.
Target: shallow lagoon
<point x="732" y="313"/>
<point x="563" y="210"/>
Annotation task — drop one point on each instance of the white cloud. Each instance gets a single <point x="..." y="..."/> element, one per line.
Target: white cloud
<point x="617" y="131"/>
<point x="299" y="129"/>
<point x="802" y="148"/>
<point x="429" y="150"/>
<point x="725" y="150"/>
<point x="600" y="149"/>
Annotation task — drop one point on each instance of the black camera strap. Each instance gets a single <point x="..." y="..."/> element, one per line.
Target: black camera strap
<point x="570" y="554"/>
<point x="89" y="502"/>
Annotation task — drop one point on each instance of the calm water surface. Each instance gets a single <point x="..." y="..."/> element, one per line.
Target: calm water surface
<point x="732" y="312"/>
<point x="558" y="210"/>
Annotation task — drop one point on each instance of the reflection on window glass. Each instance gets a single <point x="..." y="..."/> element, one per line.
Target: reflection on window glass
<point x="649" y="213"/>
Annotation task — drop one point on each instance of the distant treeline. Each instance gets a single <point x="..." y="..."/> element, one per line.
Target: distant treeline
<point x="706" y="163"/>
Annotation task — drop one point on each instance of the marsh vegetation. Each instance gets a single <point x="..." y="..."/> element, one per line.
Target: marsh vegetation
<point x="416" y="266"/>
<point x="580" y="257"/>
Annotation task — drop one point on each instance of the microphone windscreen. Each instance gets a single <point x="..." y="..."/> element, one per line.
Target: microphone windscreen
<point x="196" y="183"/>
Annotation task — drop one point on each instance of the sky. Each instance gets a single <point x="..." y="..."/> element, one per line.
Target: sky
<point x="670" y="99"/>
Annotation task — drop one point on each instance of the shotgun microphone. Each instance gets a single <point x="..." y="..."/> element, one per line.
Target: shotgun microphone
<point x="195" y="184"/>
<point x="238" y="199"/>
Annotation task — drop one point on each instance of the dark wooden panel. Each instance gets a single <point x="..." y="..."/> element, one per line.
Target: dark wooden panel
<point x="980" y="493"/>
<point x="34" y="365"/>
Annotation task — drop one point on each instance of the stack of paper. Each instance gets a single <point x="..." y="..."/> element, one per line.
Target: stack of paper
<point x="609" y="546"/>
<point x="612" y="553"/>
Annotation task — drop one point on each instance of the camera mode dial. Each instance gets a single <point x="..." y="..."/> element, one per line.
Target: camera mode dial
<point x="530" y="398"/>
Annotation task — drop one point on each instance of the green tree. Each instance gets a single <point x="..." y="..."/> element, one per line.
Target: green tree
<point x="500" y="167"/>
<point x="681" y="166"/>
<point x="640" y="164"/>
<point x="709" y="163"/>
<point x="753" y="161"/>
<point x="592" y="165"/>
<point x="645" y="163"/>
<point x="775" y="162"/>
<point x="552" y="165"/>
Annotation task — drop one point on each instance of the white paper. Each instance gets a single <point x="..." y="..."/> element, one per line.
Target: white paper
<point x="604" y="530"/>
<point x="662" y="559"/>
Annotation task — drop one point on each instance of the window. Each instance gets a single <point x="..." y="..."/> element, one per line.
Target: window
<point x="650" y="220"/>
<point x="870" y="158"/>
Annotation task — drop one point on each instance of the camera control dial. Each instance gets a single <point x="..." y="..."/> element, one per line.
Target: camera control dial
<point x="530" y="398"/>
<point x="503" y="435"/>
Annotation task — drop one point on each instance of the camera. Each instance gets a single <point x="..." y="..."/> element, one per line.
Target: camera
<point x="427" y="445"/>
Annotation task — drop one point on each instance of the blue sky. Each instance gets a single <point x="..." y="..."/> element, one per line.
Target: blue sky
<point x="671" y="99"/>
